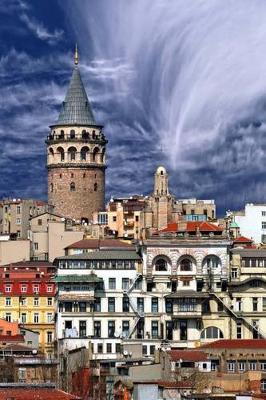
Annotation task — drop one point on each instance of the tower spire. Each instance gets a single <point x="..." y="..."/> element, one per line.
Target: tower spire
<point x="76" y="56"/>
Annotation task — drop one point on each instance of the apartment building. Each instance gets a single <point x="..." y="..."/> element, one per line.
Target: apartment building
<point x="251" y="221"/>
<point x="28" y="292"/>
<point x="15" y="215"/>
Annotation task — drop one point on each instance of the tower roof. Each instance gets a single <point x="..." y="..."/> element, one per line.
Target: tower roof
<point x="76" y="109"/>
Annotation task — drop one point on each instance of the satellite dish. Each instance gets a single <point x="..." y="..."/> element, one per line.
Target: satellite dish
<point x="125" y="353"/>
<point x="116" y="334"/>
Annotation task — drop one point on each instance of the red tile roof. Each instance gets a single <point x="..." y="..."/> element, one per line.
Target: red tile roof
<point x="192" y="227"/>
<point x="12" y="338"/>
<point x="187" y="355"/>
<point x="22" y="393"/>
<point x="242" y="239"/>
<point x="236" y="344"/>
<point x="99" y="243"/>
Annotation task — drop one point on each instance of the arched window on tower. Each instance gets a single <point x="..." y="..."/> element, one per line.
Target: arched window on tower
<point x="61" y="153"/>
<point x="62" y="134"/>
<point x="95" y="187"/>
<point x="84" y="153"/>
<point x="102" y="155"/>
<point x="95" y="154"/>
<point x="72" y="134"/>
<point x="51" y="187"/>
<point x="72" y="153"/>
<point x="84" y="134"/>
<point x="72" y="187"/>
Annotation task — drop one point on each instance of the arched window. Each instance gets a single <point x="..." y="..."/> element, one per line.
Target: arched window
<point x="72" y="187"/>
<point x="62" y="134"/>
<point x="186" y="264"/>
<point x="263" y="385"/>
<point x="211" y="262"/>
<point x="72" y="153"/>
<point x="102" y="155"/>
<point x="61" y="152"/>
<point x="95" y="187"/>
<point x="84" y="134"/>
<point x="93" y="134"/>
<point x="161" y="264"/>
<point x="212" y="332"/>
<point x="95" y="154"/>
<point x="51" y="187"/>
<point x="84" y="153"/>
<point x="72" y="134"/>
<point x="51" y="151"/>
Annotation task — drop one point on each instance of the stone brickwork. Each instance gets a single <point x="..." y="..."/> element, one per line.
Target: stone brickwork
<point x="87" y="197"/>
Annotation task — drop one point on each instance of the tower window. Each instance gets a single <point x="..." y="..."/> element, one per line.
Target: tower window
<point x="84" y="134"/>
<point x="51" y="187"/>
<point x="161" y="172"/>
<point x="95" y="187"/>
<point x="83" y="153"/>
<point x="60" y="176"/>
<point x="72" y="153"/>
<point x="72" y="134"/>
<point x="72" y="175"/>
<point x="60" y="151"/>
<point x="84" y="175"/>
<point x="62" y="134"/>
<point x="72" y="187"/>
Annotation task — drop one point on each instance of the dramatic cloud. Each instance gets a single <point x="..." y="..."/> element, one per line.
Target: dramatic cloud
<point x="39" y="30"/>
<point x="196" y="90"/>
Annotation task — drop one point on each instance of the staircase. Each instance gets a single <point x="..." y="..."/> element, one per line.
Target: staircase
<point x="238" y="315"/>
<point x="138" y="314"/>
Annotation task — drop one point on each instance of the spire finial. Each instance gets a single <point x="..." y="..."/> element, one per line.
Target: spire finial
<point x="76" y="56"/>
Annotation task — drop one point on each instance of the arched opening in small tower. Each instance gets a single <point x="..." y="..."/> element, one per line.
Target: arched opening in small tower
<point x="95" y="153"/>
<point x="84" y="153"/>
<point x="61" y="153"/>
<point x="72" y="134"/>
<point x="72" y="153"/>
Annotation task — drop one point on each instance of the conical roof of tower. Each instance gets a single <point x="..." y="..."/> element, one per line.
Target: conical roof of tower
<point x="76" y="109"/>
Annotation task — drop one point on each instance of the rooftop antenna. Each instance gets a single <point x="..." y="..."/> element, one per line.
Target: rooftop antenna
<point x="76" y="56"/>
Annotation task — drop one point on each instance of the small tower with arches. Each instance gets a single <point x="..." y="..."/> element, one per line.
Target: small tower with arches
<point x="76" y="156"/>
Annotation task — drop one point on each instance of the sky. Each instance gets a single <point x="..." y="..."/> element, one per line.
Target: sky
<point x="175" y="83"/>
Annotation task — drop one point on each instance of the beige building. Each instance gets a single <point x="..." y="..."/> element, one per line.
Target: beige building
<point x="50" y="234"/>
<point x="12" y="251"/>
<point x="16" y="213"/>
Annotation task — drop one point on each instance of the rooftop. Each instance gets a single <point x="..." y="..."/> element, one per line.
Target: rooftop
<point x="100" y="244"/>
<point x="104" y="255"/>
<point x="187" y="355"/>
<point x="30" y="392"/>
<point x="189" y="226"/>
<point x="236" y="344"/>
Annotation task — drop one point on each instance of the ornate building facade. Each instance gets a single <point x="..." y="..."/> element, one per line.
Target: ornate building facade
<point x="76" y="156"/>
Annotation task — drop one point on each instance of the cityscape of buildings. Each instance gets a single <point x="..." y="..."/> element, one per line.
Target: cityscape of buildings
<point x="144" y="298"/>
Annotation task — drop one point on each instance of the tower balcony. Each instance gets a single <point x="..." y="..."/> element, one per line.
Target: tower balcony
<point x="55" y="139"/>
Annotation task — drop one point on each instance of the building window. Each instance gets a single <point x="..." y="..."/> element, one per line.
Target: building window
<point x="97" y="329"/>
<point x="23" y="301"/>
<point x="255" y="324"/>
<point x="263" y="213"/>
<point x="7" y="288"/>
<point x="8" y="301"/>
<point x="50" y="317"/>
<point x="82" y="328"/>
<point x="152" y="350"/>
<point x="18" y="209"/>
<point x="140" y="304"/>
<point x="186" y="282"/>
<point x="36" y="301"/>
<point x="36" y="318"/>
<point x="18" y="221"/>
<point x="36" y="246"/>
<point x="111" y="329"/>
<point x="255" y="303"/>
<point x="35" y="288"/>
<point x="18" y="234"/>
<point x="154" y="304"/>
<point x="239" y="330"/>
<point x="263" y="365"/>
<point x="8" y="317"/>
<point x="186" y="265"/>
<point x="23" y="318"/>
<point x="49" y="288"/>
<point x="234" y="273"/>
<point x="72" y="187"/>
<point x="49" y="301"/>
<point x="72" y="134"/>
<point x="252" y="365"/>
<point x="263" y="385"/>
<point x="49" y="337"/>
<point x="112" y="283"/>
<point x="160" y="265"/>
<point x="82" y="306"/>
<point x="125" y="283"/>
<point x="241" y="366"/>
<point x="100" y="348"/>
<point x="231" y="366"/>
<point x="125" y="304"/>
<point x="97" y="304"/>
<point x="118" y="348"/>
<point x="125" y="328"/>
<point x="168" y="306"/>
<point x="183" y="330"/>
<point x="212" y="332"/>
<point x="39" y="222"/>
<point x="108" y="347"/>
<point x="263" y="225"/>
<point x="154" y="329"/>
<point x="111" y="304"/>
<point x="23" y="288"/>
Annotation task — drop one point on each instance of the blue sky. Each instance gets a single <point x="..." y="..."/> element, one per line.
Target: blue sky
<point x="176" y="83"/>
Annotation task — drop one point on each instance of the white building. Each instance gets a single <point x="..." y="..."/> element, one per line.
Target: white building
<point x="252" y="222"/>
